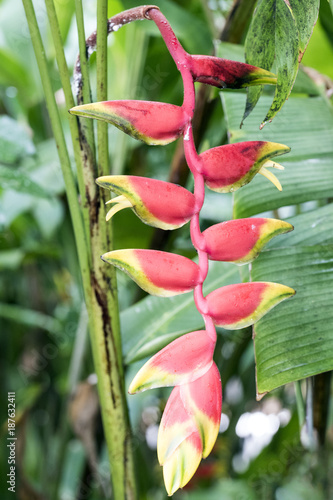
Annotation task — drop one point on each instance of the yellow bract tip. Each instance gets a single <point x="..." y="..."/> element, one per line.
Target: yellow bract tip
<point x="271" y="177"/>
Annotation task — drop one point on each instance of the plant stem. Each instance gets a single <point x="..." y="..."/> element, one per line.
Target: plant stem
<point x="73" y="122"/>
<point x="309" y="413"/>
<point x="70" y="184"/>
<point x="299" y="404"/>
<point x="102" y="85"/>
<point x="237" y="20"/>
<point x="321" y="401"/>
<point x="81" y="73"/>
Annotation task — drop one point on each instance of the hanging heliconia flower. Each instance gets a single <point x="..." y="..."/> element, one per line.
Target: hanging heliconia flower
<point x="158" y="273"/>
<point x="155" y="123"/>
<point x="237" y="306"/>
<point x="223" y="73"/>
<point x="170" y="367"/>
<point x="191" y="419"/>
<point x="241" y="240"/>
<point x="189" y="428"/>
<point x="157" y="203"/>
<point x="227" y="168"/>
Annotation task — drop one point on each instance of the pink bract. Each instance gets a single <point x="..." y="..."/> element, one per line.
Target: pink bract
<point x="223" y="73"/>
<point x="149" y="121"/>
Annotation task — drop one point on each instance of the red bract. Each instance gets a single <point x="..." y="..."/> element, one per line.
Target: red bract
<point x="203" y="400"/>
<point x="158" y="273"/>
<point x="170" y="367"/>
<point x="237" y="306"/>
<point x="157" y="203"/>
<point x="179" y="445"/>
<point x="189" y="428"/>
<point x="227" y="168"/>
<point x="223" y="73"/>
<point x="241" y="240"/>
<point x="151" y="122"/>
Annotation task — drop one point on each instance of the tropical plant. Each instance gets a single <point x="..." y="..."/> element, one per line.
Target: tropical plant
<point x="291" y="343"/>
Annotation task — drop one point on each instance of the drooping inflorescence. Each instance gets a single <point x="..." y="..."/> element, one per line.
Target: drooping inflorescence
<point x="191" y="419"/>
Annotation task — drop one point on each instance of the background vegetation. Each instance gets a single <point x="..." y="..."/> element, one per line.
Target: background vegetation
<point x="278" y="448"/>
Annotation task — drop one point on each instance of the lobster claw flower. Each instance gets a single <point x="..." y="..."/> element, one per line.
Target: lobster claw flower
<point x="182" y="361"/>
<point x="179" y="445"/>
<point x="155" y="123"/>
<point x="237" y="306"/>
<point x="223" y="73"/>
<point x="158" y="273"/>
<point x="203" y="400"/>
<point x="241" y="240"/>
<point x="189" y="428"/>
<point x="157" y="203"/>
<point x="227" y="168"/>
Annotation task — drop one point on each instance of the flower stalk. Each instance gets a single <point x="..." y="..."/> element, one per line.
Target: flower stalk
<point x="190" y="423"/>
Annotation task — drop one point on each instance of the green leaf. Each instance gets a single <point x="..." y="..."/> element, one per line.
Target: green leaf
<point x="310" y="228"/>
<point x="12" y="72"/>
<point x="295" y="340"/>
<point x="151" y="324"/>
<point x="30" y="318"/>
<point x="15" y="142"/>
<point x="306" y="126"/>
<point x="11" y="259"/>
<point x="279" y="29"/>
<point x="306" y="14"/>
<point x="17" y="180"/>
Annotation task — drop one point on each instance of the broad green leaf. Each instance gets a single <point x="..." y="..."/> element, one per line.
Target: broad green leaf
<point x="306" y="126"/>
<point x="259" y="47"/>
<point x="295" y="340"/>
<point x="301" y="181"/>
<point x="306" y="14"/>
<point x="11" y="178"/>
<point x="152" y="323"/>
<point x="15" y="142"/>
<point x="279" y="30"/>
<point x="310" y="228"/>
